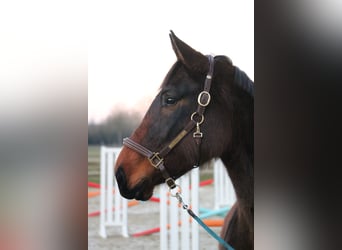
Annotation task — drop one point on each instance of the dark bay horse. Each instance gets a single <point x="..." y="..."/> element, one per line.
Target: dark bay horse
<point x="195" y="117"/>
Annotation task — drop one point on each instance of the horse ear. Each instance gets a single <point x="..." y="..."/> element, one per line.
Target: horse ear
<point x="191" y="58"/>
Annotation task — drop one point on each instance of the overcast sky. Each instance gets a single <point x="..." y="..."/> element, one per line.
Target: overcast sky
<point x="129" y="50"/>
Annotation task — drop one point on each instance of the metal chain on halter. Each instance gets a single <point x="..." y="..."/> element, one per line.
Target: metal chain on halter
<point x="185" y="206"/>
<point x="179" y="197"/>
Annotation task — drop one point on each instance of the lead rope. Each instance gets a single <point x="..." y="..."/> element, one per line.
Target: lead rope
<point x="178" y="196"/>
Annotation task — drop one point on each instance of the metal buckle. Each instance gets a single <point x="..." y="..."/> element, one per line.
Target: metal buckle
<point x="155" y="160"/>
<point x="199" y="99"/>
<point x="171" y="183"/>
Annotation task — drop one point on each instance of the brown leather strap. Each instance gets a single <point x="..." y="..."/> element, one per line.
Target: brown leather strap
<point x="154" y="158"/>
<point x="137" y="147"/>
<point x="178" y="138"/>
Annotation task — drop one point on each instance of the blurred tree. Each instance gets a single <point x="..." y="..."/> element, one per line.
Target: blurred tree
<point x="113" y="129"/>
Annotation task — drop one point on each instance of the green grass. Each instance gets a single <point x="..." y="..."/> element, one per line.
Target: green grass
<point x="93" y="151"/>
<point x="95" y="179"/>
<point x="205" y="175"/>
<point x="94" y="164"/>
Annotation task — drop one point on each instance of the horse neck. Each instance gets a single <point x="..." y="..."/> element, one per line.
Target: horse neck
<point x="243" y="129"/>
<point x="239" y="157"/>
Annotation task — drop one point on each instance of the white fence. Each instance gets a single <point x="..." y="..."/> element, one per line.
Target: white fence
<point x="224" y="190"/>
<point x="186" y="235"/>
<point x="170" y="215"/>
<point x="110" y="196"/>
<point x="173" y="234"/>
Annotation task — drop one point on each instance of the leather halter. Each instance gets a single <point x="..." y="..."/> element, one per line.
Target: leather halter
<point x="197" y="118"/>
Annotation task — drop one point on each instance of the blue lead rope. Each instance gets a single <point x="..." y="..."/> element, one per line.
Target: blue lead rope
<point x="193" y="215"/>
<point x="211" y="232"/>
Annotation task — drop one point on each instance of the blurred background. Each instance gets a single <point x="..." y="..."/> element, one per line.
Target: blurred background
<point x="65" y="69"/>
<point x="43" y="128"/>
<point x="75" y="73"/>
<point x="129" y="53"/>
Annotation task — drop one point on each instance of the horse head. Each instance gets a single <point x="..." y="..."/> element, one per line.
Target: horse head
<point x="170" y="112"/>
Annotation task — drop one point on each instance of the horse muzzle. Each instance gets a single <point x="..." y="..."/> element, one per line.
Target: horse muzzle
<point x="140" y="191"/>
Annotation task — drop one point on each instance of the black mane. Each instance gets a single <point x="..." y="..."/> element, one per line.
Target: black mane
<point x="242" y="80"/>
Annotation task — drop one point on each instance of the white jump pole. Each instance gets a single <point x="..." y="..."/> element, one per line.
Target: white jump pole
<point x="170" y="214"/>
<point x="110" y="195"/>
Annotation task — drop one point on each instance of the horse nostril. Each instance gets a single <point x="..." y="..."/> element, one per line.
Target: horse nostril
<point x="120" y="176"/>
<point x="122" y="183"/>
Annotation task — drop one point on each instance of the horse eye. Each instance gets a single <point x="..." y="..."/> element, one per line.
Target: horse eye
<point x="170" y="101"/>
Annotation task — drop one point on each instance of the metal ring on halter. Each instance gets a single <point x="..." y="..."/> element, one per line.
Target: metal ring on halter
<point x="179" y="191"/>
<point x="199" y="99"/>
<point x="198" y="122"/>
